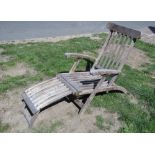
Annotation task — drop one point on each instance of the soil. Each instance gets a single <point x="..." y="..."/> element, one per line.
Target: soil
<point x="67" y="113"/>
<point x="17" y="70"/>
<point x="10" y="110"/>
<point x="137" y="58"/>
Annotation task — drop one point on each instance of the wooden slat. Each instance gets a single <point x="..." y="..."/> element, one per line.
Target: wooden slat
<point x="89" y="88"/>
<point x="112" y="51"/>
<point x="41" y="83"/>
<point x="47" y="91"/>
<point x="103" y="63"/>
<point x="46" y="97"/>
<point x="43" y="87"/>
<point x="102" y="50"/>
<point x="67" y="83"/>
<point x="122" y="53"/>
<point x="88" y="78"/>
<point x="104" y="58"/>
<point x="81" y="77"/>
<point x="53" y="99"/>
<point x="76" y="63"/>
<point x="127" y="53"/>
<point x="117" y="52"/>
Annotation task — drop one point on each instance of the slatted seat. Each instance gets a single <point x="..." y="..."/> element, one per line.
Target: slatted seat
<point x="79" y="81"/>
<point x="100" y="77"/>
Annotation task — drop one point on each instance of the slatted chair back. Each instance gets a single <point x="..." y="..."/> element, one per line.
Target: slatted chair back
<point x="116" y="47"/>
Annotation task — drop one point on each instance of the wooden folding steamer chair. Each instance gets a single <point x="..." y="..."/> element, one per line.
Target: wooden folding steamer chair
<point x="81" y="87"/>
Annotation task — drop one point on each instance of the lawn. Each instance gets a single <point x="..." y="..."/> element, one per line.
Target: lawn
<point x="48" y="59"/>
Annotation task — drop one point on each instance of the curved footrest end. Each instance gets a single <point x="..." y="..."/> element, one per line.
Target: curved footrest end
<point x="112" y="88"/>
<point x="30" y="118"/>
<point x="120" y="89"/>
<point x="41" y="96"/>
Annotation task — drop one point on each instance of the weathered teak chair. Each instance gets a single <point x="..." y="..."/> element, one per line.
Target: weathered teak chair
<point x="75" y="85"/>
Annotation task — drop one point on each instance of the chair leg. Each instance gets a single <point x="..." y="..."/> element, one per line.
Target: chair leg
<point x="78" y="103"/>
<point x="74" y="66"/>
<point x="97" y="90"/>
<point x="90" y="98"/>
<point x="85" y="105"/>
<point x="29" y="117"/>
<point x="117" y="88"/>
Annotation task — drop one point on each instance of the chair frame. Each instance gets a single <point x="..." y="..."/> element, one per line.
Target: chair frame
<point x="108" y="63"/>
<point x="132" y="35"/>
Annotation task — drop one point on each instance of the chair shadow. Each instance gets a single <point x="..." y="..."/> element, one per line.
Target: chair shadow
<point x="70" y="99"/>
<point x="152" y="29"/>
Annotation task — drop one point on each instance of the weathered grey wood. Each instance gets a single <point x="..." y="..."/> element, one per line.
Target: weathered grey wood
<point x="73" y="84"/>
<point x="120" y="50"/>
<point x="111" y="52"/>
<point x="91" y="89"/>
<point x="41" y="97"/>
<point x="29" y="103"/>
<point x="77" y="85"/>
<point x="102" y="50"/>
<point x="79" y="103"/>
<point x="74" y="66"/>
<point x="78" y="57"/>
<point x="90" y="98"/>
<point x="121" y="55"/>
<point x="53" y="99"/>
<point x="42" y="102"/>
<point x="29" y="118"/>
<point x="127" y="53"/>
<point x="105" y="88"/>
<point x="100" y="78"/>
<point x="43" y="88"/>
<point x="67" y="83"/>
<point x="106" y="53"/>
<point x="104" y="72"/>
<point x="124" y="30"/>
<point x="116" y="53"/>
<point x="50" y="93"/>
<point x="85" y="78"/>
<point x="41" y="83"/>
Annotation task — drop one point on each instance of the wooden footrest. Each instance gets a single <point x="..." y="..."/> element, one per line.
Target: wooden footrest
<point x="45" y="93"/>
<point x="30" y="118"/>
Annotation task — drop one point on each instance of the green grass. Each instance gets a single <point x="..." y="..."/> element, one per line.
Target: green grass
<point x="12" y="82"/>
<point x="138" y="117"/>
<point x="3" y="127"/>
<point x="100" y="122"/>
<point x="48" y="59"/>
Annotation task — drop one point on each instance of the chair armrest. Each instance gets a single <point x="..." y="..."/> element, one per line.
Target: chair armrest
<point x="80" y="56"/>
<point x="104" y="72"/>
